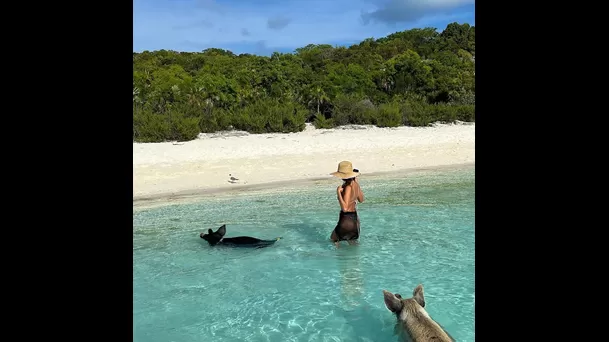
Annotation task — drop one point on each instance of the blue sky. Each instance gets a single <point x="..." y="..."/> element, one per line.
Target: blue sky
<point x="263" y="26"/>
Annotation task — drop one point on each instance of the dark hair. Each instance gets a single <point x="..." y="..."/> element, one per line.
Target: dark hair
<point x="349" y="180"/>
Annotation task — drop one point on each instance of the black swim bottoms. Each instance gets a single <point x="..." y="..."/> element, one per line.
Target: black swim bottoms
<point x="342" y="234"/>
<point x="347" y="214"/>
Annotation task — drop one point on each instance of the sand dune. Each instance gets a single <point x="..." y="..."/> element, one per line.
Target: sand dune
<point x="205" y="163"/>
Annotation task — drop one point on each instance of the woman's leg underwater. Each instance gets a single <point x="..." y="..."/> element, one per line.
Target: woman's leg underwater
<point x="355" y="241"/>
<point x="334" y="237"/>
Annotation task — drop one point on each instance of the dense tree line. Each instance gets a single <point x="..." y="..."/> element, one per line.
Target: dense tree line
<point x="414" y="78"/>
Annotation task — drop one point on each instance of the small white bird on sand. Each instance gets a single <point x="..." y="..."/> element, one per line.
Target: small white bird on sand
<point x="232" y="179"/>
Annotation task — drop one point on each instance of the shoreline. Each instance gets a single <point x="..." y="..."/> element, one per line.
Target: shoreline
<point x="194" y="195"/>
<point x="169" y="172"/>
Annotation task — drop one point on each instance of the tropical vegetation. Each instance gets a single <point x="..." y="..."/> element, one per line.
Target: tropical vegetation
<point x="414" y="77"/>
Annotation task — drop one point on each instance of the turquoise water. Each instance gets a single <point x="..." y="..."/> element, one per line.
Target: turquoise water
<point x="416" y="228"/>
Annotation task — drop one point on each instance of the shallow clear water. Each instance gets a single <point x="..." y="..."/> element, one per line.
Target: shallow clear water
<point x="418" y="228"/>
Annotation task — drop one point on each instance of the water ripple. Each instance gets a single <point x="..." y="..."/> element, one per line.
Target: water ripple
<point x="414" y="230"/>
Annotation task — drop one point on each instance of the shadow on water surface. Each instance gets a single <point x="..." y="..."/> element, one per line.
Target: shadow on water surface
<point x="357" y="313"/>
<point x="366" y="322"/>
<point x="351" y="274"/>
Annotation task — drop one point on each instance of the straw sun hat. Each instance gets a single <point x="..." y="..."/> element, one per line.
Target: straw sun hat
<point x="345" y="170"/>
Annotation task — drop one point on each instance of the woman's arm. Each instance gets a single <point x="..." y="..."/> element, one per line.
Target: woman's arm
<point x="360" y="193"/>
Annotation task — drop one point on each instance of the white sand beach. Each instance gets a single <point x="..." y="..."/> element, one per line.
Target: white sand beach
<point x="164" y="169"/>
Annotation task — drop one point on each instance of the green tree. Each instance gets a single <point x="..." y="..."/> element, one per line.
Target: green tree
<point x="412" y="77"/>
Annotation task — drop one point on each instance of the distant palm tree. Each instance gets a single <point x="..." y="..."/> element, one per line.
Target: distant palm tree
<point x="320" y="97"/>
<point x="195" y="95"/>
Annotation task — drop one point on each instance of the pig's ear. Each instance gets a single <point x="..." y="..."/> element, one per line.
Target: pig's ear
<point x="393" y="303"/>
<point x="222" y="230"/>
<point x="418" y="295"/>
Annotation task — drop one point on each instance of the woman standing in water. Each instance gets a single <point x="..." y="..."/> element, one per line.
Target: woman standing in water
<point x="348" y="194"/>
